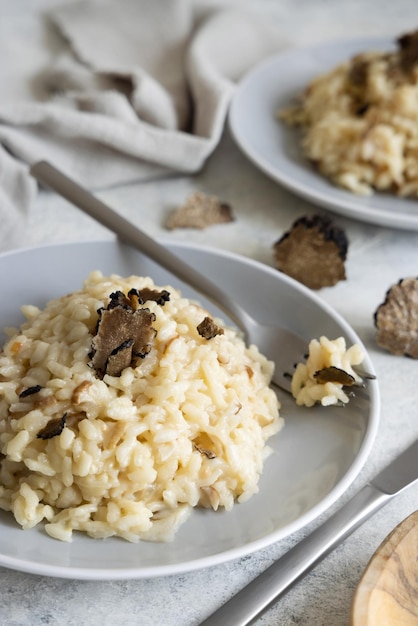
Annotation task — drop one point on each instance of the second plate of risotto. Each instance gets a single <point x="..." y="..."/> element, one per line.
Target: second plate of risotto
<point x="128" y="458"/>
<point x="359" y="161"/>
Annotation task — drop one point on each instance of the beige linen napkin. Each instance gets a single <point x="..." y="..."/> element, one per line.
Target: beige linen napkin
<point x="140" y="89"/>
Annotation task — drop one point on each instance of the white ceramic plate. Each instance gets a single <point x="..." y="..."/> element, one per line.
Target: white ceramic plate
<point x="316" y="456"/>
<point x="275" y="148"/>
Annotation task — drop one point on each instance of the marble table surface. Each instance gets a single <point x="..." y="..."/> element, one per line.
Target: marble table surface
<point x="377" y="258"/>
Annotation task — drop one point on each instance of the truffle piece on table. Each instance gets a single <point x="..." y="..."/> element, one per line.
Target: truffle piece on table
<point x="396" y="319"/>
<point x="200" y="211"/>
<point x="313" y="252"/>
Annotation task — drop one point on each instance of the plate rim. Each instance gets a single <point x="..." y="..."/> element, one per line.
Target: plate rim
<point x="333" y="495"/>
<point x="327" y="195"/>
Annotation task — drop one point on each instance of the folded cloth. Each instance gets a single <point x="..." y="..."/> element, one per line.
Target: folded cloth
<point x="140" y="89"/>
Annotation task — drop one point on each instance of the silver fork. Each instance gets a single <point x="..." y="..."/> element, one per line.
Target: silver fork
<point x="278" y="344"/>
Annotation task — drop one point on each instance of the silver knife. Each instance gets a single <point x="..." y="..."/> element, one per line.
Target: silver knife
<point x="259" y="594"/>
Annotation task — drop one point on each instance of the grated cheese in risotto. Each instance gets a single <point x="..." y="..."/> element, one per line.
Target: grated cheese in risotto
<point x="328" y="369"/>
<point x="131" y="454"/>
<point x="360" y="121"/>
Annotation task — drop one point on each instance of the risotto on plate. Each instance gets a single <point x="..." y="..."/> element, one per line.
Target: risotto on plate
<point x="124" y="405"/>
<point x="360" y="121"/>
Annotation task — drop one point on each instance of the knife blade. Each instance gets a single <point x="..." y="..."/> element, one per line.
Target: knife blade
<point x="260" y="593"/>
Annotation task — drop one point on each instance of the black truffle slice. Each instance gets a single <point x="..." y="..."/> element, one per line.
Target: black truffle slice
<point x="53" y="428"/>
<point x="30" y="391"/>
<point x="313" y="252"/>
<point x="396" y="319"/>
<point x="208" y="329"/>
<point x="122" y="335"/>
<point x="408" y="46"/>
<point x="334" y="374"/>
<point x="357" y="81"/>
<point x="124" y="332"/>
<point x="140" y="296"/>
<point x="200" y="211"/>
<point x="137" y="297"/>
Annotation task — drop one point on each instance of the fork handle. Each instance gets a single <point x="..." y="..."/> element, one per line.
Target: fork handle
<point x="259" y="594"/>
<point x="51" y="177"/>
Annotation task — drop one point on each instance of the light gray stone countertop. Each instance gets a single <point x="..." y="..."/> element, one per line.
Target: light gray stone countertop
<point x="377" y="258"/>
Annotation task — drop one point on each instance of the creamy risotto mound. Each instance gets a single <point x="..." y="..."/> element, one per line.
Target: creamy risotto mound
<point x="125" y="439"/>
<point x="360" y="121"/>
